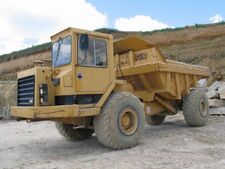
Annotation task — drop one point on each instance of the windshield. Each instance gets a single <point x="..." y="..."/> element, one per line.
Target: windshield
<point x="61" y="52"/>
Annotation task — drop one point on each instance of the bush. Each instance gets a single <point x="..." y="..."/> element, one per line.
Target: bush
<point x="106" y="30"/>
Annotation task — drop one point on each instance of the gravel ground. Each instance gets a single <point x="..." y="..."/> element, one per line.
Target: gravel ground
<point x="171" y="145"/>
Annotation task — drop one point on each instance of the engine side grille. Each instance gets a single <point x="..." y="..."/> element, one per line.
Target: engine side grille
<point x="26" y="91"/>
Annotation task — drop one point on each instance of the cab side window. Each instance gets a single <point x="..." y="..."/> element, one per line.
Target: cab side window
<point x="95" y="55"/>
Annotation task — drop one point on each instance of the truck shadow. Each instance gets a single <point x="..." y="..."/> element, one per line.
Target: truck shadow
<point x="157" y="131"/>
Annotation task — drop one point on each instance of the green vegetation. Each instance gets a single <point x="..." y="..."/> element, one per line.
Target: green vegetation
<point x="107" y="30"/>
<point x="25" y="52"/>
<point x="181" y="28"/>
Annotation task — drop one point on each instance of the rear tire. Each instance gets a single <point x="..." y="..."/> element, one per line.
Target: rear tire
<point x="155" y="119"/>
<point x="73" y="134"/>
<point x="121" y="122"/>
<point x="196" y="108"/>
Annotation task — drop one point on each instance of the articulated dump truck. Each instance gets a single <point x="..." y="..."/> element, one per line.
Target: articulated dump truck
<point x="110" y="88"/>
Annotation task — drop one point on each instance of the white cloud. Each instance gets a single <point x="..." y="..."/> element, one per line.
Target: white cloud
<point x="35" y="21"/>
<point x="139" y="23"/>
<point x="216" y="18"/>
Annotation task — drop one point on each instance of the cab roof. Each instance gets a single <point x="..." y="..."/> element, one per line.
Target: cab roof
<point x="71" y="30"/>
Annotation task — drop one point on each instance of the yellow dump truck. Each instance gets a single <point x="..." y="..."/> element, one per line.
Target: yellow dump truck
<point x="110" y="88"/>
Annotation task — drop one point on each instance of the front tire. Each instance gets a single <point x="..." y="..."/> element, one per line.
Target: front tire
<point x="121" y="122"/>
<point x="196" y="108"/>
<point x="73" y="134"/>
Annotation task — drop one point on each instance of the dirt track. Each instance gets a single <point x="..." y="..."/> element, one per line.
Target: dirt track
<point x="171" y="145"/>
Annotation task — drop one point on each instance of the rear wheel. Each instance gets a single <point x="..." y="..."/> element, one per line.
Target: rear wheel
<point x="121" y="122"/>
<point x="73" y="134"/>
<point x="155" y="119"/>
<point x="196" y="108"/>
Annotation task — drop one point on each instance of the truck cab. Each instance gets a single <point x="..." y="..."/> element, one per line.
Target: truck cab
<point x="82" y="70"/>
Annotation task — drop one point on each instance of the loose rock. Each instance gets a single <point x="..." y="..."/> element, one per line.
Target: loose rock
<point x="212" y="94"/>
<point x="221" y="92"/>
<point x="216" y="103"/>
<point x="217" y="111"/>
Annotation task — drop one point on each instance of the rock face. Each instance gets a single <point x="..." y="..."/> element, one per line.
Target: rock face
<point x="2" y="103"/>
<point x="7" y="98"/>
<point x="221" y="92"/>
<point x="216" y="94"/>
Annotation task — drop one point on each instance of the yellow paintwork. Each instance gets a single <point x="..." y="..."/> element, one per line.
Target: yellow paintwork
<point x="41" y="76"/>
<point x="53" y="112"/>
<point x="150" y="73"/>
<point x="133" y="65"/>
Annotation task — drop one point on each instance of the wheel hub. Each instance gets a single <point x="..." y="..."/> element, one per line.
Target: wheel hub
<point x="128" y="121"/>
<point x="203" y="108"/>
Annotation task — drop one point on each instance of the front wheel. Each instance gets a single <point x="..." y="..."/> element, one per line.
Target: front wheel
<point x="121" y="121"/>
<point x="196" y="108"/>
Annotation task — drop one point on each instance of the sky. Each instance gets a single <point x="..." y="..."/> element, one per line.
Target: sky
<point x="25" y="23"/>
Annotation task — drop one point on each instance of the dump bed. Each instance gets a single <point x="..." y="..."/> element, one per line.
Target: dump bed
<point x="143" y="65"/>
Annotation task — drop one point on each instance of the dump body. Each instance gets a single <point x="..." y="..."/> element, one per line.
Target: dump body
<point x="151" y="74"/>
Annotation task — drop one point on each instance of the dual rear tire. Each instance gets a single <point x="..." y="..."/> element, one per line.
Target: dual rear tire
<point x="195" y="110"/>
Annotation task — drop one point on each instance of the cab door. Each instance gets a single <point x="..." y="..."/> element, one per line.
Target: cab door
<point x="92" y="68"/>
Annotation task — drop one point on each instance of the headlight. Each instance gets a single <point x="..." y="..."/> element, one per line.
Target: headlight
<point x="43" y="91"/>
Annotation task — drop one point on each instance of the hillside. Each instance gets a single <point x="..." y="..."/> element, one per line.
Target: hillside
<point x="199" y="44"/>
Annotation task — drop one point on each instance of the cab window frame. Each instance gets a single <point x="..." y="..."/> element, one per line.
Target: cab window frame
<point x="71" y="51"/>
<point x="106" y="52"/>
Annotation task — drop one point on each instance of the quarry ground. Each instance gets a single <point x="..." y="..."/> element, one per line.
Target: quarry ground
<point x="171" y="145"/>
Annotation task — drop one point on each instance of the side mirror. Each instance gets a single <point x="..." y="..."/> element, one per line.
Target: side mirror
<point x="84" y="41"/>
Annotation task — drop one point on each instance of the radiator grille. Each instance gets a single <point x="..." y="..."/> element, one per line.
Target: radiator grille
<point x="26" y="91"/>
